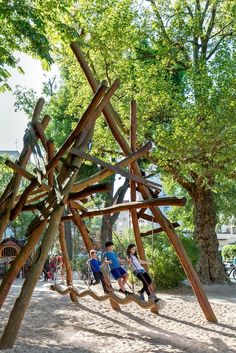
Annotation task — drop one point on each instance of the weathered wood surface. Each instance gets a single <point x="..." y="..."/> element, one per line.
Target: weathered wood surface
<point x="116" y="169"/>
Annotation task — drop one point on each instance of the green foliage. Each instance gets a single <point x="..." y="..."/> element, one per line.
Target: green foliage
<point x="32" y="27"/>
<point x="165" y="267"/>
<point x="229" y="252"/>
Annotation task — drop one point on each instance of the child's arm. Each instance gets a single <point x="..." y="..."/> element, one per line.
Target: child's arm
<point x="144" y="262"/>
<point x="121" y="261"/>
<point x="128" y="260"/>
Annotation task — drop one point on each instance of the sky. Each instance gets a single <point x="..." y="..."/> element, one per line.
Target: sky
<point x="13" y="124"/>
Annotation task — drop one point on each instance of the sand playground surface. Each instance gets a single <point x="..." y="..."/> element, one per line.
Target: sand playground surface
<point x="53" y="324"/>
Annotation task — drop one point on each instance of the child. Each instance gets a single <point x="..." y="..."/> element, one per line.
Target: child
<point x="142" y="275"/>
<point x="95" y="265"/>
<point x="117" y="271"/>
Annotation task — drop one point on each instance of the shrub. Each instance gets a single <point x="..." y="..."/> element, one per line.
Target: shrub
<point x="165" y="267"/>
<point x="229" y="252"/>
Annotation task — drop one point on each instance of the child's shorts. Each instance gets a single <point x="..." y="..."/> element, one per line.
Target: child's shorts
<point x="118" y="272"/>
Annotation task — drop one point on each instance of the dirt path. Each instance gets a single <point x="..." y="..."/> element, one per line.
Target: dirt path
<point x="54" y="325"/>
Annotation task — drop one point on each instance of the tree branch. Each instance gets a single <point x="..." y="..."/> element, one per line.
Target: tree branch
<point x="212" y="22"/>
<point x="222" y="29"/>
<point x="217" y="45"/>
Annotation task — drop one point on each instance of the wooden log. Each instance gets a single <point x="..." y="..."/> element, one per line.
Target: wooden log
<point x="115" y="169"/>
<point x="35" y="198"/>
<point x="20" y="260"/>
<point x="93" y="189"/>
<point x="141" y="212"/>
<point x="93" y="83"/>
<point x="72" y="197"/>
<point x="51" y="153"/>
<point x="134" y="216"/>
<point x="158" y="230"/>
<point x="40" y="132"/>
<point x="161" y="201"/>
<point x="66" y="260"/>
<point x="82" y="229"/>
<point x="23" y="199"/>
<point x="129" y="206"/>
<point x="78" y="206"/>
<point x="21" y="171"/>
<point x="103" y="174"/>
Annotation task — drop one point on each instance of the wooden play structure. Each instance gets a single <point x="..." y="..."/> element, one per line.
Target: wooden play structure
<point x="53" y="185"/>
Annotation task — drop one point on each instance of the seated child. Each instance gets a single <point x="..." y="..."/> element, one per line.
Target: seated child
<point x="140" y="272"/>
<point x="118" y="272"/>
<point x="95" y="266"/>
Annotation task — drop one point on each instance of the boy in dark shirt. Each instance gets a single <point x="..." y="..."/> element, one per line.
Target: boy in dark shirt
<point x="95" y="266"/>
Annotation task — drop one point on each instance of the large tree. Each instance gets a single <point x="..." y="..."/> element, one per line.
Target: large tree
<point x="178" y="60"/>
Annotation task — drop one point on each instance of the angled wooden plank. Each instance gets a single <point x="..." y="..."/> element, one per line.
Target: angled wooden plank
<point x="158" y="230"/>
<point x="103" y="174"/>
<point x="115" y="169"/>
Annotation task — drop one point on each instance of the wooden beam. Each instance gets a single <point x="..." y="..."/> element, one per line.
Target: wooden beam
<point x="93" y="189"/>
<point x="158" y="230"/>
<point x="148" y="217"/>
<point x="103" y="174"/>
<point x="21" y="171"/>
<point x="20" y="260"/>
<point x="50" y="155"/>
<point x="115" y="169"/>
<point x="40" y="132"/>
<point x="66" y="260"/>
<point x="133" y="205"/>
<point x="78" y="206"/>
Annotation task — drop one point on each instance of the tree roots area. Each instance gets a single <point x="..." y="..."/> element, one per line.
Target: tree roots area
<point x="54" y="324"/>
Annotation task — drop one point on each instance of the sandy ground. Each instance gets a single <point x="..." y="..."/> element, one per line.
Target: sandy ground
<point x="53" y="324"/>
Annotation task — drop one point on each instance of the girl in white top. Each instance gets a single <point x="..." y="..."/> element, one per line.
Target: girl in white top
<point x="140" y="272"/>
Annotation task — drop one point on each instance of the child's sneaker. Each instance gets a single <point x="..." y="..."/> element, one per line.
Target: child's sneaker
<point x="160" y="303"/>
<point x="141" y="295"/>
<point x="152" y="297"/>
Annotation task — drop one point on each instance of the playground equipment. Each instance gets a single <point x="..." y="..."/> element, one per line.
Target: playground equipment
<point x="53" y="185"/>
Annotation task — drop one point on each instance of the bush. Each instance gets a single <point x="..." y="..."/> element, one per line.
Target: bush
<point x="165" y="268"/>
<point x="229" y="252"/>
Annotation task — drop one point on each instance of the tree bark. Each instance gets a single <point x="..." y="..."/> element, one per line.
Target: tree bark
<point x="108" y="221"/>
<point x="210" y="267"/>
<point x="106" y="227"/>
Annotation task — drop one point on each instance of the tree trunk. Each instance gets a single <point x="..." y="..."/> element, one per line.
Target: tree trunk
<point x="106" y="227"/>
<point x="108" y="221"/>
<point x="210" y="267"/>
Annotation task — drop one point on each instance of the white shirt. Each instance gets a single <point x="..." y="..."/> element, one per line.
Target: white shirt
<point x="135" y="264"/>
